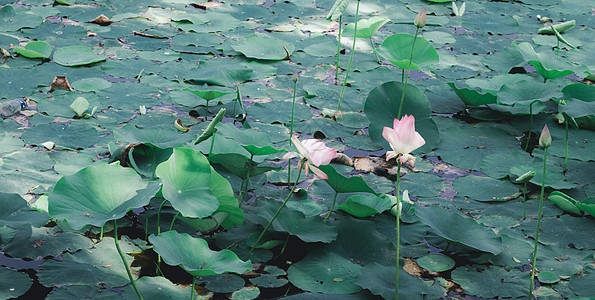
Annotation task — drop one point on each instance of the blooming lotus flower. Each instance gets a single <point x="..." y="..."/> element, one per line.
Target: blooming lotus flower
<point x="403" y="139"/>
<point x="314" y="153"/>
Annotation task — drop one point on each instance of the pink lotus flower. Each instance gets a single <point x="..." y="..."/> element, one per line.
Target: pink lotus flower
<point x="545" y="139"/>
<point x="421" y="19"/>
<point x="403" y="139"/>
<point x="314" y="153"/>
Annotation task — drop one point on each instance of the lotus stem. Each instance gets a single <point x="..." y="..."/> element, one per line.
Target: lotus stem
<point x="538" y="225"/>
<point x="245" y="187"/>
<point x="171" y="226"/>
<point x="101" y="234"/>
<point x="338" y="52"/>
<point x="212" y="143"/>
<point x="408" y="71"/>
<point x="398" y="227"/>
<point x="350" y="57"/>
<point x="124" y="261"/>
<point x="566" y="150"/>
<point x="525" y="201"/>
<point x="159" y="226"/>
<point x="374" y="50"/>
<point x="530" y="125"/>
<point x="291" y="124"/>
<point x="192" y="290"/>
<point x="332" y="207"/>
<point x="276" y="213"/>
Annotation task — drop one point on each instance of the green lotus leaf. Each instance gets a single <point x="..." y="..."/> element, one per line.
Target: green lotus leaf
<point x="337" y="10"/>
<point x="459" y="229"/>
<point x="15" y="212"/>
<point x="97" y="194"/>
<point x="194" y="255"/>
<point x="362" y="206"/>
<point x="13" y="283"/>
<point x="73" y="56"/>
<point x="397" y="49"/>
<point x="35" y="49"/>
<point x="186" y="176"/>
<point x="527" y="90"/>
<point x="264" y="47"/>
<point x="472" y="96"/>
<point x="342" y="184"/>
<point x="365" y="28"/>
<point x="436" y="262"/>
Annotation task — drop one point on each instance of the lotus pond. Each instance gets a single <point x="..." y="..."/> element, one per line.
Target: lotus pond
<point x="154" y="158"/>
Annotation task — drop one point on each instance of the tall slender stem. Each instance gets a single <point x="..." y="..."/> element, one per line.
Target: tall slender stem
<point x="212" y="143"/>
<point x="159" y="217"/>
<point x="124" y="261"/>
<point x="350" y="57"/>
<point x="278" y="211"/>
<point x="374" y="50"/>
<point x="398" y="223"/>
<point x="291" y="124"/>
<point x="171" y="226"/>
<point x="538" y="225"/>
<point x="338" y="52"/>
<point x="101" y="234"/>
<point x="332" y="207"/>
<point x="408" y="71"/>
<point x="525" y="201"/>
<point x="566" y="151"/>
<point x="530" y="125"/>
<point x="192" y="292"/>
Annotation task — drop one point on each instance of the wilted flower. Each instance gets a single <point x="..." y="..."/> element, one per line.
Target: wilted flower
<point x="403" y="139"/>
<point x="420" y="19"/>
<point x="545" y="139"/>
<point x="314" y="153"/>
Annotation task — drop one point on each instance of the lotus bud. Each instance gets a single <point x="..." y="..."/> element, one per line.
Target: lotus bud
<point x="545" y="139"/>
<point x="526" y="177"/>
<point x="420" y="19"/>
<point x="295" y="76"/>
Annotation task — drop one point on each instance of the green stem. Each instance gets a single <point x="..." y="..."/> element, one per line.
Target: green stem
<point x="350" y="57"/>
<point x="245" y="191"/>
<point x="530" y="125"/>
<point x="398" y="223"/>
<point x="566" y="151"/>
<point x="525" y="201"/>
<point x="538" y="225"/>
<point x="159" y="226"/>
<point x="558" y="49"/>
<point x="212" y="143"/>
<point x="124" y="261"/>
<point x="332" y="207"/>
<point x="338" y="51"/>
<point x="241" y="192"/>
<point x="101" y="234"/>
<point x="192" y="290"/>
<point x="171" y="226"/>
<point x="374" y="50"/>
<point x="277" y="213"/>
<point x="291" y="124"/>
<point x="408" y="71"/>
<point x="402" y="75"/>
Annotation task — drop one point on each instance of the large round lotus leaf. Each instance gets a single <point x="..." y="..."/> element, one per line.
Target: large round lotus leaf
<point x="264" y="47"/>
<point x="91" y="84"/>
<point x="467" y="145"/>
<point x="220" y="71"/>
<point x="324" y="272"/>
<point x="97" y="194"/>
<point x="46" y="242"/>
<point x="9" y="143"/>
<point x="159" y="137"/>
<point x="342" y="184"/>
<point x="13" y="283"/>
<point x="228" y="203"/>
<point x="365" y="28"/>
<point x="492" y="282"/>
<point x="497" y="165"/>
<point x="527" y="90"/>
<point x="74" y="135"/>
<point x="422" y="184"/>
<point x="579" y="91"/>
<point x="254" y="141"/>
<point x="583" y="286"/>
<point x="380" y="280"/>
<point x="436" y="262"/>
<point x="309" y="230"/>
<point x="279" y="111"/>
<point x="397" y="49"/>
<point x="102" y="264"/>
<point x="382" y="107"/>
<point x="145" y="158"/>
<point x="224" y="283"/>
<point x="472" y="96"/>
<point x="186" y="176"/>
<point x="246" y="293"/>
<point x="362" y="206"/>
<point x="76" y="56"/>
<point x="577" y="108"/>
<point x="157" y="288"/>
<point x="194" y="255"/>
<point x="35" y="49"/>
<point x="459" y="229"/>
<point x="485" y="188"/>
<point x="16" y="212"/>
<point x="83" y="292"/>
<point x="493" y="23"/>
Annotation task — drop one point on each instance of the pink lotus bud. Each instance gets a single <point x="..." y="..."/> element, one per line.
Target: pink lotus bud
<point x="545" y="140"/>
<point x="420" y="19"/>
